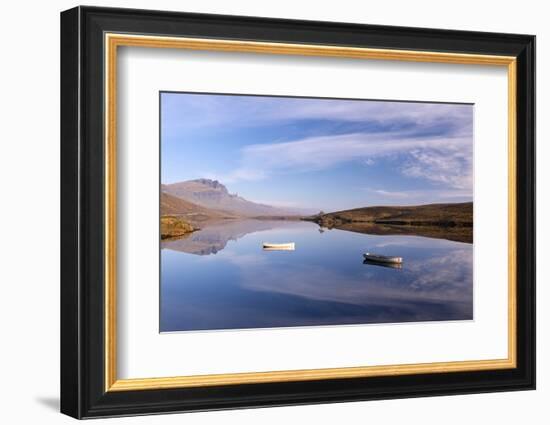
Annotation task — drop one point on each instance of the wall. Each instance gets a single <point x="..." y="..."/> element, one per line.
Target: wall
<point x="29" y="171"/>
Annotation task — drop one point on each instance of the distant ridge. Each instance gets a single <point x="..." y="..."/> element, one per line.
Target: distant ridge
<point x="213" y="195"/>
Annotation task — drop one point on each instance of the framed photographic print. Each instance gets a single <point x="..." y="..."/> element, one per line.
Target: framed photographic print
<point x="261" y="212"/>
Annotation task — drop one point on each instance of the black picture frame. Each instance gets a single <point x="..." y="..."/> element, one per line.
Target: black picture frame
<point x="83" y="392"/>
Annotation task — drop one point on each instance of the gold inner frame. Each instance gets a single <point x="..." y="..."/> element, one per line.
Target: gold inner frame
<point x="113" y="41"/>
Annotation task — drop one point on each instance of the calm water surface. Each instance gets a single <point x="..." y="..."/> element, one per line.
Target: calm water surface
<point x="220" y="278"/>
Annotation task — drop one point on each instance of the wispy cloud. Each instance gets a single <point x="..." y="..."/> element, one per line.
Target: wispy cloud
<point x="431" y="195"/>
<point x="369" y="161"/>
<point x="443" y="278"/>
<point x="196" y="110"/>
<point x="450" y="165"/>
<point x="439" y="159"/>
<point x="268" y="138"/>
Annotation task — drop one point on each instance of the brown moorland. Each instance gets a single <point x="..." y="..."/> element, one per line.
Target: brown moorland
<point x="445" y="221"/>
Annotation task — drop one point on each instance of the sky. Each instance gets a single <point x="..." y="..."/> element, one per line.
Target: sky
<point x="320" y="154"/>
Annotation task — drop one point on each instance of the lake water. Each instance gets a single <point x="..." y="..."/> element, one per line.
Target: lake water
<point x="220" y="278"/>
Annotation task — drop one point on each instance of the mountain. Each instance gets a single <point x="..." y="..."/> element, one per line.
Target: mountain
<point x="213" y="195"/>
<point x="172" y="205"/>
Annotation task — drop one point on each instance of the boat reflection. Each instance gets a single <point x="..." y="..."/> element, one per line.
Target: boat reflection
<point x="388" y="265"/>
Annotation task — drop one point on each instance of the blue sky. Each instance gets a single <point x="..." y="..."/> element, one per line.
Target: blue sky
<point x="320" y="153"/>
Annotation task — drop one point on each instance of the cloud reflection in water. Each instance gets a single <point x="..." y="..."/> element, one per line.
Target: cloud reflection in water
<point x="323" y="282"/>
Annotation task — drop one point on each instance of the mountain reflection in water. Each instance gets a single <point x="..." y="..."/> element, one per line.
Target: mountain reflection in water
<point x="323" y="282"/>
<point x="214" y="237"/>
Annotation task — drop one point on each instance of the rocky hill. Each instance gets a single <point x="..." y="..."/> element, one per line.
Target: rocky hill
<point x="213" y="195"/>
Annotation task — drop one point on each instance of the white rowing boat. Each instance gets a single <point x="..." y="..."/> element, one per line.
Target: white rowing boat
<point x="382" y="258"/>
<point x="278" y="246"/>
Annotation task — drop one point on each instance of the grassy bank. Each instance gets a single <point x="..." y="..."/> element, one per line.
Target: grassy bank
<point x="173" y="226"/>
<point x="446" y="221"/>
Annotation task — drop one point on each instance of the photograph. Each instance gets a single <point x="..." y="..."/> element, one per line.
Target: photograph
<point x="280" y="211"/>
<point x="285" y="210"/>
